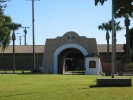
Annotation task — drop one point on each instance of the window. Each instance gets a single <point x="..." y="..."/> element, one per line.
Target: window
<point x="92" y="64"/>
<point x="105" y="58"/>
<point x="16" y="58"/>
<point x="3" y="58"/>
<point x="119" y="58"/>
<point x="38" y="58"/>
<point x="27" y="58"/>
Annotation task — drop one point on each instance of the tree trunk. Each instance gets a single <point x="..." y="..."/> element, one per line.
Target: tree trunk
<point x="108" y="50"/>
<point x="127" y="23"/>
<point x="107" y="38"/>
<point x="115" y="58"/>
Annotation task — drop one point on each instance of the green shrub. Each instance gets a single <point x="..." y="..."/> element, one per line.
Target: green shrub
<point x="128" y="67"/>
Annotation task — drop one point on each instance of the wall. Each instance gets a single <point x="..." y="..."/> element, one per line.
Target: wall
<point x="92" y="71"/>
<point x="108" y="66"/>
<point x="22" y="61"/>
<point x="89" y="44"/>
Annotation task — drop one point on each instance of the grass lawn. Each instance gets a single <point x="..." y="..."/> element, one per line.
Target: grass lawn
<point x="59" y="87"/>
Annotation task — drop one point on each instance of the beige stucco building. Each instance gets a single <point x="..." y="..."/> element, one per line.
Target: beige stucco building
<point x="72" y="47"/>
<point x="64" y="53"/>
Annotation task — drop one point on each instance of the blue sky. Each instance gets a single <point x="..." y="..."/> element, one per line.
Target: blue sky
<point x="56" y="17"/>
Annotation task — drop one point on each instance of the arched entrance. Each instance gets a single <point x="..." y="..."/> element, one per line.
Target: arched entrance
<point x="68" y="51"/>
<point x="70" y="60"/>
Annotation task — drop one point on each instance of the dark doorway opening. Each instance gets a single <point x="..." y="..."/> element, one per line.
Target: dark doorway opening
<point x="71" y="61"/>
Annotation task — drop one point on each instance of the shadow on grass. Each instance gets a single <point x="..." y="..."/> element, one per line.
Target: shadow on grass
<point x="95" y="86"/>
<point x="19" y="94"/>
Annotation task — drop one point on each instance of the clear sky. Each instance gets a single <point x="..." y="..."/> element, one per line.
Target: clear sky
<point x="56" y="17"/>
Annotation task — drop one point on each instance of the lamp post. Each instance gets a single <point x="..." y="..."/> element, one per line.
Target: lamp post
<point x="113" y="51"/>
<point x="34" y="67"/>
<point x="13" y="39"/>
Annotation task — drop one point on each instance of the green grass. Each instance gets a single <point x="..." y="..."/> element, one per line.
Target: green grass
<point x="59" y="87"/>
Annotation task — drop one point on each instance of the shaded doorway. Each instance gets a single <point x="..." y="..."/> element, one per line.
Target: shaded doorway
<point x="70" y="61"/>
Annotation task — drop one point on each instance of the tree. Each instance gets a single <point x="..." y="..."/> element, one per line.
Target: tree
<point x="127" y="23"/>
<point x="6" y="25"/>
<point x="2" y="7"/>
<point x="131" y="38"/>
<point x="14" y="26"/>
<point x="100" y="1"/>
<point x="4" y="31"/>
<point x="128" y="67"/>
<point x="122" y="8"/>
<point x="131" y="55"/>
<point x="108" y="27"/>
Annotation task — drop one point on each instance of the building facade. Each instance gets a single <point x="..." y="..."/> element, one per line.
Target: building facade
<point x="73" y="47"/>
<point x="65" y="53"/>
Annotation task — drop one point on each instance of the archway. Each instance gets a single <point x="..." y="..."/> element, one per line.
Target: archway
<point x="65" y="51"/>
<point x="70" y="61"/>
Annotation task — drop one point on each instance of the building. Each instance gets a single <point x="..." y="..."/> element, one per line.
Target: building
<point x="82" y="52"/>
<point x="23" y="57"/>
<point x="70" y="51"/>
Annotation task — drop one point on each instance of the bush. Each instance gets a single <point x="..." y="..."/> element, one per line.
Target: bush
<point x="35" y="71"/>
<point x="128" y="67"/>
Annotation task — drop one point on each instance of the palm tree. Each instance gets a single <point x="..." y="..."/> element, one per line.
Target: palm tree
<point x="108" y="27"/>
<point x="131" y="38"/>
<point x="127" y="23"/>
<point x="6" y="26"/>
<point x="131" y="44"/>
<point x="5" y="30"/>
<point x="13" y="27"/>
<point x="122" y="8"/>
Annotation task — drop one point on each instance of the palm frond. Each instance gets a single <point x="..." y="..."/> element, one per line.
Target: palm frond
<point x="14" y="26"/>
<point x="108" y="26"/>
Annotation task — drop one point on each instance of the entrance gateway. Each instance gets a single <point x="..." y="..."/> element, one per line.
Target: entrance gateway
<point x="71" y="52"/>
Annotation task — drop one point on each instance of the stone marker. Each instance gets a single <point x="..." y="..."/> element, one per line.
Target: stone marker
<point x="110" y="82"/>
